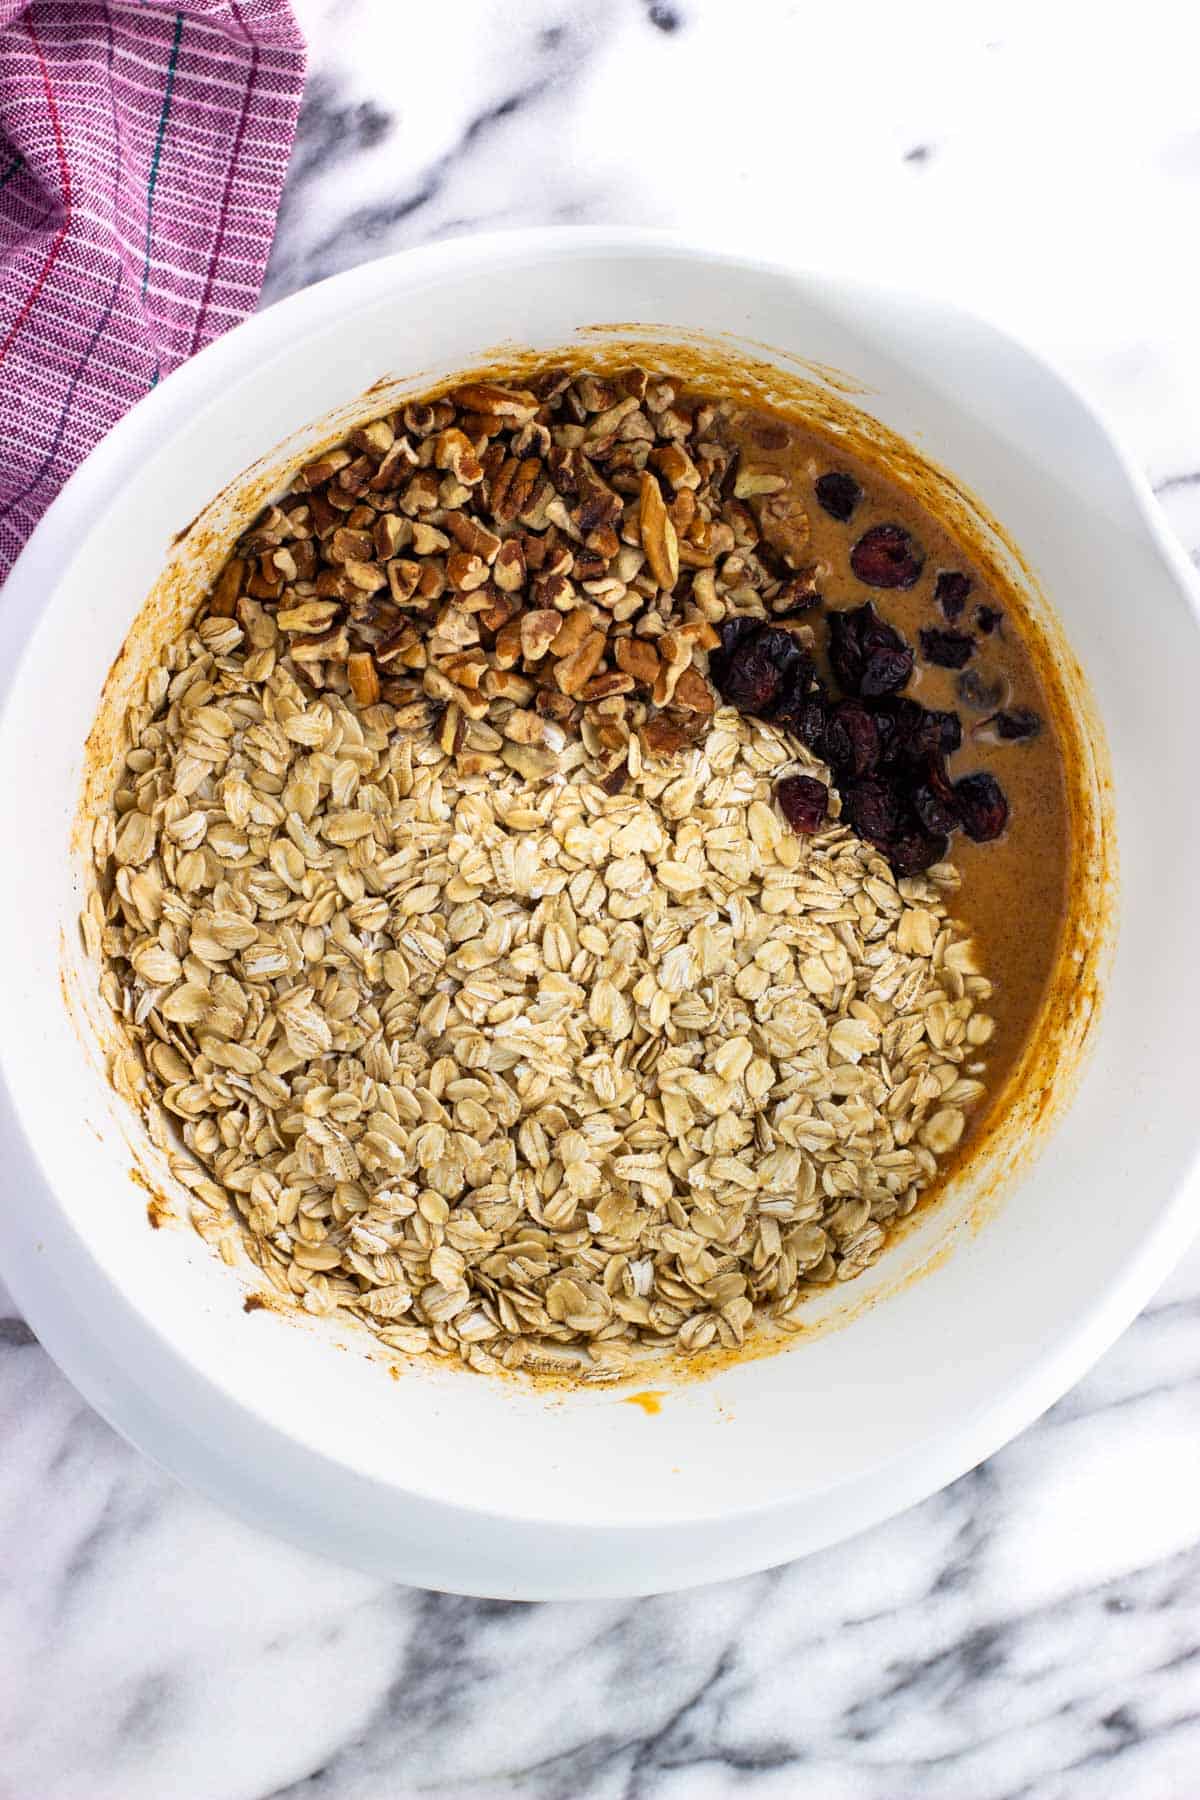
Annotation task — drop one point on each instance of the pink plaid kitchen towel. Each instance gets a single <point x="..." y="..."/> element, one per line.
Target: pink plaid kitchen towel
<point x="142" y="153"/>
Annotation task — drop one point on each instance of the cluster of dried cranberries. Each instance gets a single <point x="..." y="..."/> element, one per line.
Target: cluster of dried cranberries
<point x="887" y="752"/>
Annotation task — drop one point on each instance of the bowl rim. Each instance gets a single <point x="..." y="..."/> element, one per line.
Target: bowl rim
<point x="1036" y="1382"/>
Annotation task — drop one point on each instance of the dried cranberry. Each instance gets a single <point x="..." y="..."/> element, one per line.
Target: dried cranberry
<point x="915" y="851"/>
<point x="885" y="730"/>
<point x="938" y="776"/>
<point x="839" y="494"/>
<point x="886" y="671"/>
<point x="887" y="557"/>
<point x="900" y="736"/>
<point x="762" y="669"/>
<point x="803" y="714"/>
<point x="981" y="806"/>
<point x="810" y="727"/>
<point x="785" y="651"/>
<point x="1020" y="722"/>
<point x="982" y="693"/>
<point x="986" y="619"/>
<point x="874" y="810"/>
<point x="933" y="796"/>
<point x="950" y="592"/>
<point x="949" y="727"/>
<point x="948" y="649"/>
<point x="933" y="813"/>
<point x="735" y="630"/>
<point x="747" y="678"/>
<point x="913" y="730"/>
<point x="803" y="802"/>
<point x="851" y="744"/>
<point x="846" y="653"/>
<point x="868" y="656"/>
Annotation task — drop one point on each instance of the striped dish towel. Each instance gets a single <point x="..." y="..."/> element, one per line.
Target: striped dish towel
<point x="142" y="153"/>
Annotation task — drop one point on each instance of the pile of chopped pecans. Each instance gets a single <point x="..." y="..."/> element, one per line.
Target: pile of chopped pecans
<point x="522" y="565"/>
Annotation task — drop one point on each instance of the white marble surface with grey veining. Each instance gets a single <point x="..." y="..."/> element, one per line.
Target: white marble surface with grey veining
<point x="1032" y="1633"/>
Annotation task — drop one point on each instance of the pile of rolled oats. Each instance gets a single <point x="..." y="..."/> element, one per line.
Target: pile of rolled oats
<point x="512" y="1060"/>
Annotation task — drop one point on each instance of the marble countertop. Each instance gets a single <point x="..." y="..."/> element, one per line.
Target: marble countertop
<point x="1033" y="1631"/>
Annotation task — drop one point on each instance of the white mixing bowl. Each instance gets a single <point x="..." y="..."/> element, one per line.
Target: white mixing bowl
<point x="457" y="1481"/>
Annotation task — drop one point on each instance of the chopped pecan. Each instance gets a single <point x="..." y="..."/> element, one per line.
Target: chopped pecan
<point x="506" y="684"/>
<point x="699" y="633"/>
<point x="539" y="630"/>
<point x="481" y="425"/>
<point x="470" y="535"/>
<point x="440" y="687"/>
<point x="499" y="610"/>
<point x="517" y="491"/>
<point x="603" y="542"/>
<point x="599" y="507"/>
<point x="304" y="555"/>
<point x="513" y="405"/>
<point x="676" y="466"/>
<point x="403" y="576"/>
<point x="264" y="584"/>
<point x="466" y="670"/>
<point x="368" y="577"/>
<point x="421" y="493"/>
<point x="675" y="653"/>
<point x="554" y="590"/>
<point x="396" y="466"/>
<point x="324" y="468"/>
<point x="229" y="585"/>
<point x="329" y="646"/>
<point x="454" y="450"/>
<point x="427" y="540"/>
<point x="693" y="693"/>
<point x="750" y="482"/>
<point x="450" y="731"/>
<point x="523" y="726"/>
<point x="571" y="632"/>
<point x="420" y="418"/>
<point x="363" y="677"/>
<point x="637" y="657"/>
<point x="574" y="671"/>
<point x="555" y="705"/>
<point x="606" y="687"/>
<point x="353" y="479"/>
<point x="784" y="524"/>
<point x="465" y="571"/>
<point x="376" y="438"/>
<point x="662" y="736"/>
<point x="431" y="582"/>
<point x="309" y="615"/>
<point x="324" y="517"/>
<point x="391" y="649"/>
<point x="333" y="584"/>
<point x="594" y="394"/>
<point x="455" y="629"/>
<point x="507" y="651"/>
<point x="682" y="511"/>
<point x="508" y="570"/>
<point x="534" y="548"/>
<point x="392" y="534"/>
<point x="659" y="539"/>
